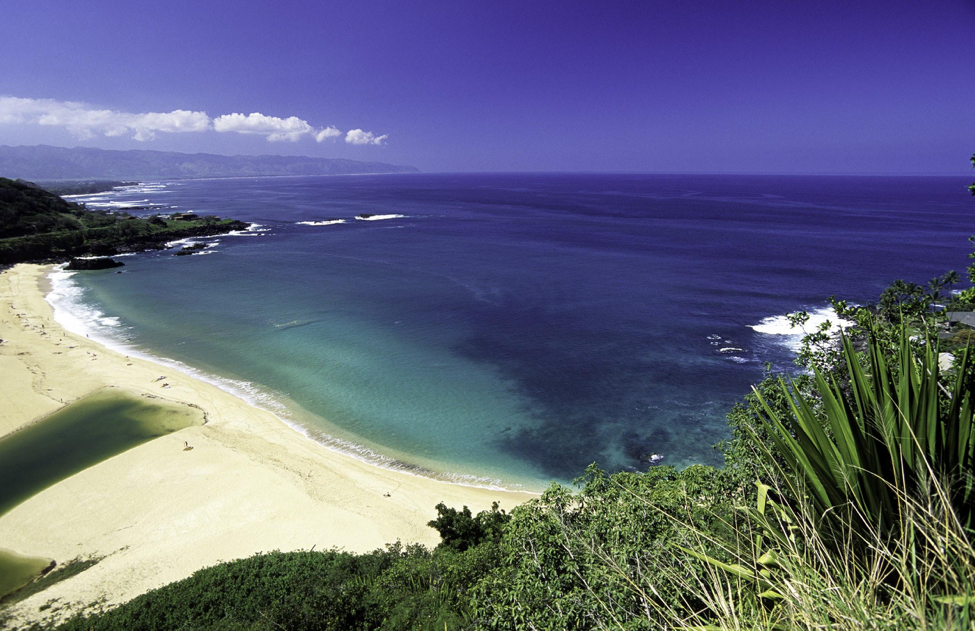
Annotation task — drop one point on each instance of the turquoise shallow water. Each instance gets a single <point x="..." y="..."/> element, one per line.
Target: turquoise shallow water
<point x="514" y="328"/>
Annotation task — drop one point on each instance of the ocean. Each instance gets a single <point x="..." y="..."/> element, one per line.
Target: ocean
<point x="510" y="329"/>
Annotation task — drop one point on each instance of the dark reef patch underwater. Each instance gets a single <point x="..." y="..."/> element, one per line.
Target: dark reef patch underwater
<point x="514" y="328"/>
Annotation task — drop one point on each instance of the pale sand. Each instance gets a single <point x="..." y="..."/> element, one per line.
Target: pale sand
<point x="158" y="513"/>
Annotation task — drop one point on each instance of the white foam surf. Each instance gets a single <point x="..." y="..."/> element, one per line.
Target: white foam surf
<point x="84" y="196"/>
<point x="253" y="230"/>
<point x="379" y="217"/>
<point x="782" y="331"/>
<point x="123" y="205"/>
<point x="75" y="314"/>
<point x="329" y="222"/>
<point x="186" y="241"/>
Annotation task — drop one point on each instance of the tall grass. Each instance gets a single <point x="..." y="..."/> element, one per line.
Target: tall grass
<point x="924" y="578"/>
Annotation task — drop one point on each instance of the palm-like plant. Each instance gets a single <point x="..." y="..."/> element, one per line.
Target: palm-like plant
<point x="883" y="434"/>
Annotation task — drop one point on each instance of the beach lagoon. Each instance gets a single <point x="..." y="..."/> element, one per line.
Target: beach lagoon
<point x="17" y="570"/>
<point x="82" y="434"/>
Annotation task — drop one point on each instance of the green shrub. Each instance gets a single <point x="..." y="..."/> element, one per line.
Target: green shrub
<point x="579" y="560"/>
<point x="885" y="435"/>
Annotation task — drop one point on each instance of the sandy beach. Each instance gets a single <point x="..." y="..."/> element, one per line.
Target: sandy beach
<point x="157" y="513"/>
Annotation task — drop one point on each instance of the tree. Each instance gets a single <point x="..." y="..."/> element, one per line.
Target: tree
<point x="972" y="187"/>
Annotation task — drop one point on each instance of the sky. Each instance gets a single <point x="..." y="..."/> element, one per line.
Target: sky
<point x="527" y="85"/>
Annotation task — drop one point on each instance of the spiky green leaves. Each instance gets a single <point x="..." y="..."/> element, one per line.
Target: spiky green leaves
<point x="887" y="431"/>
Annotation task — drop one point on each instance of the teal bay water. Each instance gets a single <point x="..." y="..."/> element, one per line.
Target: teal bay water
<point x="511" y="329"/>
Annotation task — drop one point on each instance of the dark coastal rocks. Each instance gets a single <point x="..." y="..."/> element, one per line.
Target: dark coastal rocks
<point x="93" y="264"/>
<point x="103" y="249"/>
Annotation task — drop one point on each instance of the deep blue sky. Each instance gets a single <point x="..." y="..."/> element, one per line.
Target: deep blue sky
<point x="531" y="85"/>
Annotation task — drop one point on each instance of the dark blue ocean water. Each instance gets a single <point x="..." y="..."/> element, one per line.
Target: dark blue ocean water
<point x="516" y="328"/>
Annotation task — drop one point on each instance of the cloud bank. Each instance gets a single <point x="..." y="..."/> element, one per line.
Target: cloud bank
<point x="328" y="132"/>
<point x="274" y="128"/>
<point x="359" y="137"/>
<point x="85" y="121"/>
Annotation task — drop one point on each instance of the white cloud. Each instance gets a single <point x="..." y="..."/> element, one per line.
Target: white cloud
<point x="327" y="132"/>
<point x="84" y="121"/>
<point x="276" y="129"/>
<point x="359" y="137"/>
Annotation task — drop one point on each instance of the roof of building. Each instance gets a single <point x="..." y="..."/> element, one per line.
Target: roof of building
<point x="962" y="317"/>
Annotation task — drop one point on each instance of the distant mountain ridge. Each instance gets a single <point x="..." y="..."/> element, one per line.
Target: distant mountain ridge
<point x="43" y="162"/>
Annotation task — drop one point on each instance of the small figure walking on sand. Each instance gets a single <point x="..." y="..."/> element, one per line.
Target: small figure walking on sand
<point x="186" y="446"/>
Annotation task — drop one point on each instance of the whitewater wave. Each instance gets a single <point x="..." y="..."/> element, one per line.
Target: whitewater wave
<point x="113" y="256"/>
<point x="76" y="315"/>
<point x="123" y="205"/>
<point x="253" y="230"/>
<point x="142" y="188"/>
<point x="782" y="331"/>
<point x="328" y="222"/>
<point x="378" y="217"/>
<point x="84" y="196"/>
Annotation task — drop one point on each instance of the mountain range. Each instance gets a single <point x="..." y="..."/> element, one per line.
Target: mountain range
<point x="43" y="162"/>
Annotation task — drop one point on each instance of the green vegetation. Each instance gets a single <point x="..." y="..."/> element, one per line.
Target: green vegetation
<point x="883" y="435"/>
<point x="38" y="225"/>
<point x="393" y="588"/>
<point x="847" y="501"/>
<point x="869" y="521"/>
<point x="26" y="209"/>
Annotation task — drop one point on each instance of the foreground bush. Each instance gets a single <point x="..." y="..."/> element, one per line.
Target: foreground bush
<point x="583" y="560"/>
<point x="395" y="588"/>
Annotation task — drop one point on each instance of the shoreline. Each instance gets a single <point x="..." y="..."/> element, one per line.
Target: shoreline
<point x="155" y="513"/>
<point x="93" y="327"/>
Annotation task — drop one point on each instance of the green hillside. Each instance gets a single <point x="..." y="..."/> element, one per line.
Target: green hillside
<point x="27" y="209"/>
<point x="37" y="225"/>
